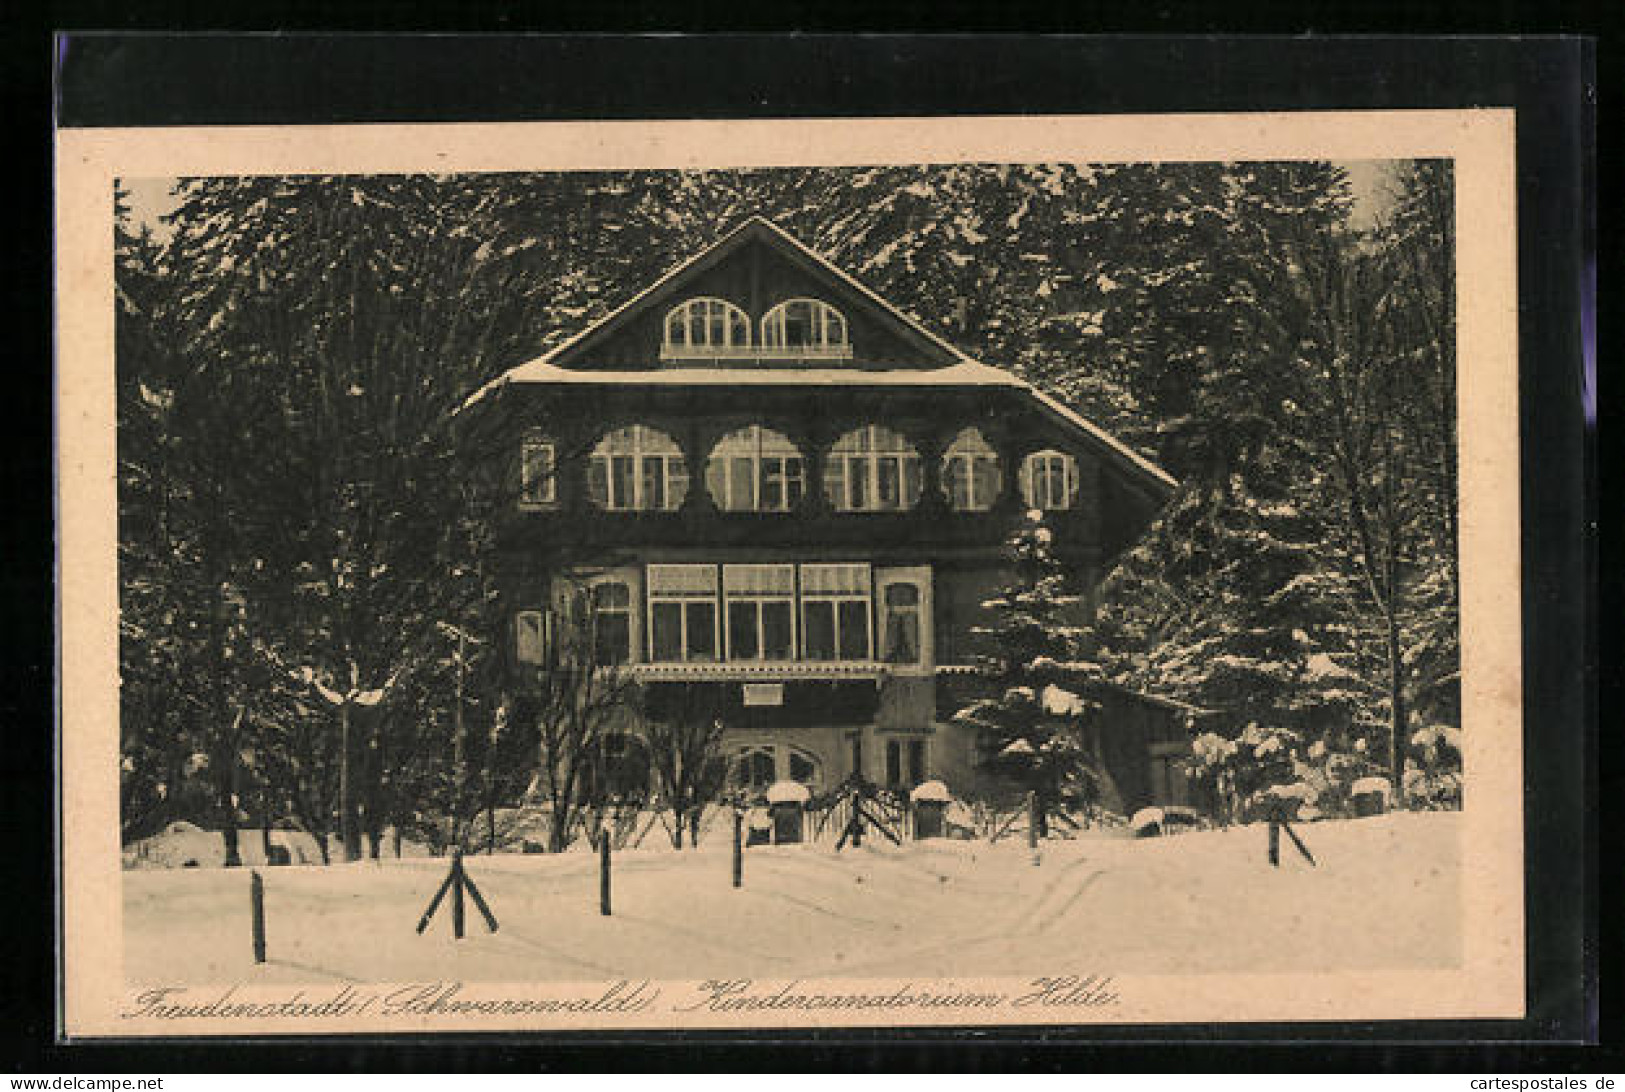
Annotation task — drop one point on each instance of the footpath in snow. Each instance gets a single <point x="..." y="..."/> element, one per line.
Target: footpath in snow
<point x="1386" y="896"/>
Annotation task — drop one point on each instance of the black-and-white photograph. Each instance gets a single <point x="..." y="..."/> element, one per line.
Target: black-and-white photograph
<point x="912" y="572"/>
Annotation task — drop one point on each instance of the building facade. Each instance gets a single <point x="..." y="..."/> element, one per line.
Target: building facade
<point x="779" y="490"/>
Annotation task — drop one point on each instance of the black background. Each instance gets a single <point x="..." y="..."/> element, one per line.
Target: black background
<point x="160" y="79"/>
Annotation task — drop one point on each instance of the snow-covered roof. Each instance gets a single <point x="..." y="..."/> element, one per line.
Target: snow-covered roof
<point x="964" y="372"/>
<point x="931" y="792"/>
<point x="1377" y="785"/>
<point x="1146" y="817"/>
<point x="788" y="792"/>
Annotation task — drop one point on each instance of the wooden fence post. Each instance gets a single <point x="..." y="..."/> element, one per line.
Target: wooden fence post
<point x="1032" y="820"/>
<point x="457" y="894"/>
<point x="256" y="903"/>
<point x="739" y="848"/>
<point x="603" y="872"/>
<point x="1275" y="843"/>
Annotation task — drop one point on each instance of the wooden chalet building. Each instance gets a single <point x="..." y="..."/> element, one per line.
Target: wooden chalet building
<point x="780" y="488"/>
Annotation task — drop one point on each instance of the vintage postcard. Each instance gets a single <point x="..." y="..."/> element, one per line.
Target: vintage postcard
<point x="789" y="574"/>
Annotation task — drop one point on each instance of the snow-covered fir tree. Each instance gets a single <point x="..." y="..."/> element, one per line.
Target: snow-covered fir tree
<point x="1032" y="725"/>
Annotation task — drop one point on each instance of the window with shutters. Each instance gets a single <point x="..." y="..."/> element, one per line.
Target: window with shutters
<point x="872" y="469"/>
<point x="1049" y="481"/>
<point x="637" y="469"/>
<point x="970" y="473"/>
<point x="755" y="470"/>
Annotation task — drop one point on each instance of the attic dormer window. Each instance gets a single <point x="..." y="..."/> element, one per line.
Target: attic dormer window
<point x="805" y="328"/>
<point x="704" y="328"/>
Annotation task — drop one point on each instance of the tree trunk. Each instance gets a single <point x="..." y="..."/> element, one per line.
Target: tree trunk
<point x="233" y="786"/>
<point x="349" y="831"/>
<point x="228" y="833"/>
<point x="1397" y="712"/>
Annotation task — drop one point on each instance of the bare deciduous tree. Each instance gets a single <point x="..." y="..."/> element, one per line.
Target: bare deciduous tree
<point x="683" y="725"/>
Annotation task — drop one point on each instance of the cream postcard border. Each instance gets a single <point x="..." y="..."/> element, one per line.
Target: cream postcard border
<point x="1491" y="980"/>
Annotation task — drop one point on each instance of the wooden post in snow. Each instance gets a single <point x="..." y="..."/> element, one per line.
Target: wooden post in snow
<point x="739" y="848"/>
<point x="457" y="882"/>
<point x="603" y="871"/>
<point x="1275" y="844"/>
<point x="1303" y="849"/>
<point x="256" y="910"/>
<point x="1032" y="820"/>
<point x="457" y="894"/>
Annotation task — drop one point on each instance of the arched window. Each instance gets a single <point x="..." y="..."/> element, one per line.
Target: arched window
<point x="755" y="766"/>
<point x="805" y="327"/>
<point x="637" y="469"/>
<point x="705" y="327"/>
<point x="754" y="769"/>
<point x="872" y="469"/>
<point x="621" y="773"/>
<point x="970" y="473"/>
<point x="1049" y="480"/>
<point x="802" y="766"/>
<point x="755" y="470"/>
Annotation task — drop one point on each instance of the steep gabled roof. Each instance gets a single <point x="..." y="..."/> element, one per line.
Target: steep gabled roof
<point x="955" y="368"/>
<point x="757" y="228"/>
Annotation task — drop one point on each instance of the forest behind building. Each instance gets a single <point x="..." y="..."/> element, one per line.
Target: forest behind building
<point x="302" y="538"/>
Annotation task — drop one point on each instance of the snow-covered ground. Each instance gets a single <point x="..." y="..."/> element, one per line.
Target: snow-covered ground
<point x="1385" y="896"/>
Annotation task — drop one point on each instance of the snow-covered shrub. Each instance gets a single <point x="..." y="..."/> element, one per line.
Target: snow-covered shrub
<point x="1432" y="780"/>
<point x="1331" y="775"/>
<point x="1240" y="772"/>
<point x="1157" y="821"/>
<point x="1434" y="786"/>
<point x="1288" y="801"/>
<point x="1178" y="817"/>
<point x="1371" y="795"/>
